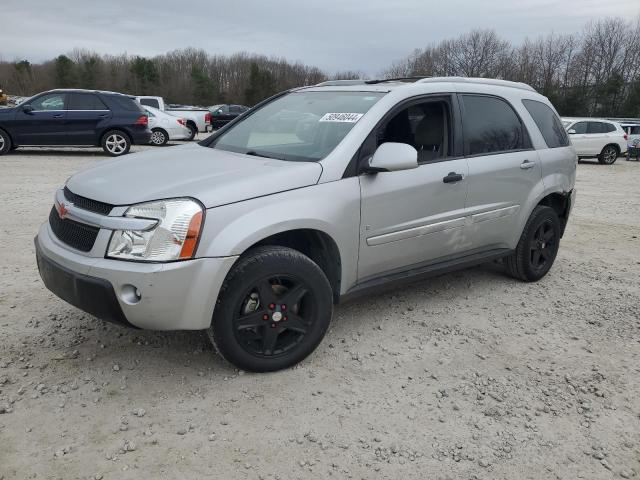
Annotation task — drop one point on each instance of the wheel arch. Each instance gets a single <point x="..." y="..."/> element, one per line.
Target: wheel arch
<point x="319" y="246"/>
<point x="118" y="128"/>
<point x="559" y="201"/>
<point x="8" y="132"/>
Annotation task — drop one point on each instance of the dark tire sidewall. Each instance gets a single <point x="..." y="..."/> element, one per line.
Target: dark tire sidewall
<point x="602" y="159"/>
<point x="255" y="265"/>
<point x="542" y="215"/>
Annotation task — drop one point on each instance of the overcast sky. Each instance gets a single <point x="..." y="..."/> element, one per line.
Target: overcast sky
<point x="365" y="35"/>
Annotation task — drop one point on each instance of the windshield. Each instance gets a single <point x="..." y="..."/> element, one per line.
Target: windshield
<point x="300" y="126"/>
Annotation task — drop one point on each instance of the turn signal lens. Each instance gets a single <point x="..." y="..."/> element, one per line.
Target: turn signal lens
<point x="191" y="240"/>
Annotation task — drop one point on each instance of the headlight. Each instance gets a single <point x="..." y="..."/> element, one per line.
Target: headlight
<point x="174" y="237"/>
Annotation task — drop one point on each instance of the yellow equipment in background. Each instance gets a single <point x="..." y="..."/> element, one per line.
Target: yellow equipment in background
<point x="3" y="97"/>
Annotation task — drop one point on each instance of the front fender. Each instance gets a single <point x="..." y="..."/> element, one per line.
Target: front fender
<point x="332" y="208"/>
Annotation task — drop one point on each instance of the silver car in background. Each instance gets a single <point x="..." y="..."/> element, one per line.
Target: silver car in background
<point x="313" y="196"/>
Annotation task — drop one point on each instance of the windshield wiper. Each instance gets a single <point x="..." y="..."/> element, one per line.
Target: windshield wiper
<point x="256" y="154"/>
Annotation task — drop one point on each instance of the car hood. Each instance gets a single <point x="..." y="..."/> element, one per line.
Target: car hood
<point x="214" y="177"/>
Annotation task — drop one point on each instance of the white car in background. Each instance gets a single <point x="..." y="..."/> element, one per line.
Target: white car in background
<point x="165" y="127"/>
<point x="596" y="138"/>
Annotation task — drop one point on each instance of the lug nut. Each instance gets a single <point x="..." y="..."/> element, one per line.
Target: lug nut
<point x="273" y="325"/>
<point x="272" y="306"/>
<point x="285" y="319"/>
<point x="265" y="317"/>
<point x="283" y="306"/>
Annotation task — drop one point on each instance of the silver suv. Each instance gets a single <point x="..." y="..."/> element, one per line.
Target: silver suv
<point x="314" y="195"/>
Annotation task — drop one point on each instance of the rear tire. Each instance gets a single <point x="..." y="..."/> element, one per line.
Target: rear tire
<point x="193" y="130"/>
<point x="159" y="137"/>
<point x="273" y="310"/>
<point x="609" y="155"/>
<point x="538" y="246"/>
<point x="116" y="143"/>
<point x="5" y="142"/>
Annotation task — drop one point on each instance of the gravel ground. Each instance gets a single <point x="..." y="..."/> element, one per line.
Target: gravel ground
<point x="468" y="375"/>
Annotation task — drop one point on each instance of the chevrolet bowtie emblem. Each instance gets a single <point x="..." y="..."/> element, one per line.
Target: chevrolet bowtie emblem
<point x="62" y="211"/>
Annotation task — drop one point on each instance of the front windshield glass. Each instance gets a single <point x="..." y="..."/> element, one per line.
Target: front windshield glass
<point x="300" y="126"/>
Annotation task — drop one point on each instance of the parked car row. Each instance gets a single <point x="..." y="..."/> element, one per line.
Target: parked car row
<point x="114" y="121"/>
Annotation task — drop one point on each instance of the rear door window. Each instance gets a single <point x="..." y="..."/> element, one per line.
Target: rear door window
<point x="548" y="123"/>
<point x="596" y="127"/>
<point x="491" y="125"/>
<point x="609" y="127"/>
<point x="85" y="101"/>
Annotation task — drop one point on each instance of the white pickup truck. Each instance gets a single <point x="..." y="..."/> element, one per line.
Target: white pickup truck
<point x="197" y="119"/>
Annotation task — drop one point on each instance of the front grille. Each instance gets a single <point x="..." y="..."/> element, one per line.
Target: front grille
<point x="86" y="203"/>
<point x="76" y="235"/>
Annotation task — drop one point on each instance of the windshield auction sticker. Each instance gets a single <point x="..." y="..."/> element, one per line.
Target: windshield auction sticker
<point x="341" y="117"/>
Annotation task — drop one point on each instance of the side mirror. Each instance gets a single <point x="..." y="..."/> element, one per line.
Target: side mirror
<point x="571" y="131"/>
<point x="391" y="157"/>
<point x="27" y="108"/>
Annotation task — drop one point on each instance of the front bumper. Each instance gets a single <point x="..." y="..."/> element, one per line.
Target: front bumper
<point x="173" y="296"/>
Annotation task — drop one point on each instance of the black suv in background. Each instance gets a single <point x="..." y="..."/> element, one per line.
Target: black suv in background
<point x="223" y="114"/>
<point x="75" y="118"/>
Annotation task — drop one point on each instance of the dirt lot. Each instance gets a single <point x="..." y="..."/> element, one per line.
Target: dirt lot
<point x="468" y="375"/>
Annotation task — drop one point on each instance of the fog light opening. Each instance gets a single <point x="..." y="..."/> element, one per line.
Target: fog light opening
<point x="130" y="294"/>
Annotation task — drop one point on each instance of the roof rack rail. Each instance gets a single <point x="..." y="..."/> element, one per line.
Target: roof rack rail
<point x="335" y="83"/>
<point x="396" y="79"/>
<point x="484" y="81"/>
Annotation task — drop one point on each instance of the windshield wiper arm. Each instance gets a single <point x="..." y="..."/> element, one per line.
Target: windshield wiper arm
<point x="256" y="154"/>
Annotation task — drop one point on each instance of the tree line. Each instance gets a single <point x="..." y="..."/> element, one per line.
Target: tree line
<point x="595" y="72"/>
<point x="592" y="73"/>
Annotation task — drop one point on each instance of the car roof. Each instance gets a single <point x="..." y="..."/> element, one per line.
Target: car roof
<point x="588" y="119"/>
<point x="387" y="85"/>
<point x="83" y="90"/>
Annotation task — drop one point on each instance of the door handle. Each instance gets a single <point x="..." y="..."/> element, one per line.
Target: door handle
<point x="452" y="177"/>
<point x="527" y="165"/>
<point x="57" y="115"/>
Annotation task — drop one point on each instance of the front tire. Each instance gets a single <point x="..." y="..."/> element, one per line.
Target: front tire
<point x="538" y="246"/>
<point x="159" y="137"/>
<point x="273" y="310"/>
<point x="609" y="155"/>
<point x="5" y="142"/>
<point x="116" y="143"/>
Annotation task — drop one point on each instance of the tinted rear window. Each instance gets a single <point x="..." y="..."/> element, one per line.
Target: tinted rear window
<point x="596" y="127"/>
<point x="126" y="103"/>
<point x="491" y="125"/>
<point x="85" y="101"/>
<point x="548" y="123"/>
